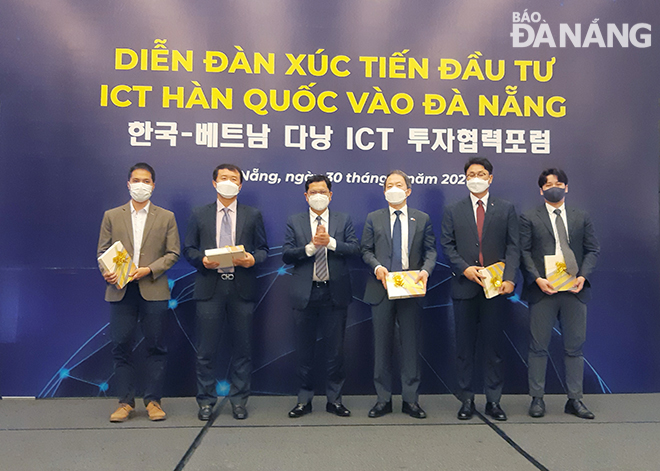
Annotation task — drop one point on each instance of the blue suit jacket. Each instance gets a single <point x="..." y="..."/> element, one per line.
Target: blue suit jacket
<point x="460" y="242"/>
<point x="537" y="240"/>
<point x="377" y="247"/>
<point x="200" y="235"/>
<point x="299" y="234"/>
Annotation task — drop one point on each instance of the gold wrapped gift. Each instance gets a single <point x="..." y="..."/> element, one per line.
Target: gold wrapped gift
<point x="225" y="255"/>
<point x="556" y="274"/>
<point x="492" y="279"/>
<point x="116" y="259"/>
<point x="401" y="284"/>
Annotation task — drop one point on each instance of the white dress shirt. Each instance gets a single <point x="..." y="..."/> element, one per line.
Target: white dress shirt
<point x="310" y="249"/>
<point x="218" y="221"/>
<point x="404" y="233"/>
<point x="475" y="204"/>
<point x="138" y="220"/>
<point x="553" y="220"/>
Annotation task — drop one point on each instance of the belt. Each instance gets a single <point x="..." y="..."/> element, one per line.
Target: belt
<point x="226" y="276"/>
<point x="320" y="284"/>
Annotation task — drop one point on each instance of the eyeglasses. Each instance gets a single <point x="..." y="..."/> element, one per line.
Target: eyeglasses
<point x="323" y="192"/>
<point x="478" y="174"/>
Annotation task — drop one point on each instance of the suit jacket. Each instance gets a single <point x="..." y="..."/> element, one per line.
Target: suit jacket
<point x="298" y="234"/>
<point x="200" y="235"/>
<point x="376" y="247"/>
<point x="537" y="240"/>
<point x="460" y="242"/>
<point x="160" y="248"/>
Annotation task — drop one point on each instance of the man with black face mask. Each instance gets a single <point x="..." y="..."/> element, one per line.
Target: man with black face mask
<point x="554" y="230"/>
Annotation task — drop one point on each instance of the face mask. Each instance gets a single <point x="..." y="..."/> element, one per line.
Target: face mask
<point x="140" y="192"/>
<point x="477" y="185"/>
<point x="395" y="195"/>
<point x="319" y="202"/>
<point x="554" y="194"/>
<point x="227" y="189"/>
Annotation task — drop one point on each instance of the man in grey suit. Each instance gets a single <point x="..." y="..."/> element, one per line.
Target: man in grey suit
<point x="150" y="235"/>
<point x="318" y="243"/>
<point x="394" y="239"/>
<point x="225" y="295"/>
<point x="479" y="231"/>
<point x="553" y="229"/>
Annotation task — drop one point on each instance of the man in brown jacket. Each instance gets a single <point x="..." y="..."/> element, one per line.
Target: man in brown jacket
<point x="150" y="236"/>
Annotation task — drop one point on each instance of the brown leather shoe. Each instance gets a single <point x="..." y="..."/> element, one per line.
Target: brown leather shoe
<point x="155" y="411"/>
<point x="122" y="413"/>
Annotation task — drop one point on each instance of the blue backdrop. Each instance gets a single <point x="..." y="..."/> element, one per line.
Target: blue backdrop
<point x="89" y="88"/>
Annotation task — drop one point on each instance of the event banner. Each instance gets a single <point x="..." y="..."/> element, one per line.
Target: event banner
<point x="350" y="89"/>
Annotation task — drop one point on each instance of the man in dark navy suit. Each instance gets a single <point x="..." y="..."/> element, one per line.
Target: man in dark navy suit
<point x="479" y="231"/>
<point x="225" y="295"/>
<point x="554" y="229"/>
<point x="318" y="243"/>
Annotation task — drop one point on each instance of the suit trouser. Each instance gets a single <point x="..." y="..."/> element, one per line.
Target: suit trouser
<point x="124" y="318"/>
<point x="386" y="317"/>
<point x="332" y="321"/>
<point x="572" y="315"/>
<point x="225" y="307"/>
<point x="472" y="316"/>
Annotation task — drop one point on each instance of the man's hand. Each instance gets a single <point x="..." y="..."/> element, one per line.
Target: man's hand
<point x="472" y="274"/>
<point x="545" y="286"/>
<point x="139" y="273"/>
<point x="321" y="238"/>
<point x="578" y="285"/>
<point x="209" y="264"/>
<point x="506" y="287"/>
<point x="423" y="277"/>
<point x="381" y="274"/>
<point x="111" y="277"/>
<point x="245" y="262"/>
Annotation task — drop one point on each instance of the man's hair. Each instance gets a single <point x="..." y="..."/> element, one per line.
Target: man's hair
<point x="483" y="161"/>
<point x="318" y="178"/>
<point x="401" y="173"/>
<point x="557" y="172"/>
<point x="232" y="167"/>
<point x="143" y="166"/>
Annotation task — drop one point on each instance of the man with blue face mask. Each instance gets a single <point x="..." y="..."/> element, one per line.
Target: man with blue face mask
<point x="555" y="230"/>
<point x="318" y="243"/>
<point x="225" y="296"/>
<point x="149" y="234"/>
<point x="479" y="231"/>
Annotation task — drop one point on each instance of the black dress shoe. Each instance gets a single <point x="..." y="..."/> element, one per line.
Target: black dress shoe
<point x="205" y="413"/>
<point x="537" y="407"/>
<point x="338" y="409"/>
<point x="466" y="410"/>
<point x="239" y="412"/>
<point x="413" y="410"/>
<point x="300" y="410"/>
<point x="380" y="409"/>
<point x="575" y="407"/>
<point x="495" y="411"/>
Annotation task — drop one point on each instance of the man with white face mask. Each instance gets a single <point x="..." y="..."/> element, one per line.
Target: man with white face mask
<point x="150" y="235"/>
<point x="318" y="243"/>
<point x="479" y="231"/>
<point x="225" y="296"/>
<point x="396" y="238"/>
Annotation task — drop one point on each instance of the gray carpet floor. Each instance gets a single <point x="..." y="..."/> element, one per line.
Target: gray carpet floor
<point x="75" y="434"/>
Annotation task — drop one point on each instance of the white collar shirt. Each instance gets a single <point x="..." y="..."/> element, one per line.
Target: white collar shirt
<point x="404" y="233"/>
<point x="553" y="221"/>
<point x="138" y="221"/>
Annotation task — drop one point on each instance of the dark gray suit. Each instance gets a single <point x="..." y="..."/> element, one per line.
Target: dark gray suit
<point x="460" y="242"/>
<point x="376" y="249"/>
<point x="221" y="299"/>
<point x="537" y="240"/>
<point x="323" y="304"/>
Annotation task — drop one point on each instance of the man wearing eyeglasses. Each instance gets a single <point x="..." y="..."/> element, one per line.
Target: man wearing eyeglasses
<point x="318" y="243"/>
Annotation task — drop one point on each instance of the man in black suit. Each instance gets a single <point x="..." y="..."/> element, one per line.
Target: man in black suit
<point x="396" y="238"/>
<point x="553" y="229"/>
<point x="317" y="243"/>
<point x="479" y="231"/>
<point x="225" y="294"/>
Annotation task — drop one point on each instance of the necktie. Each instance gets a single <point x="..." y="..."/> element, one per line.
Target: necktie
<point x="481" y="215"/>
<point x="321" y="258"/>
<point x="225" y="236"/>
<point x="396" y="243"/>
<point x="569" y="256"/>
